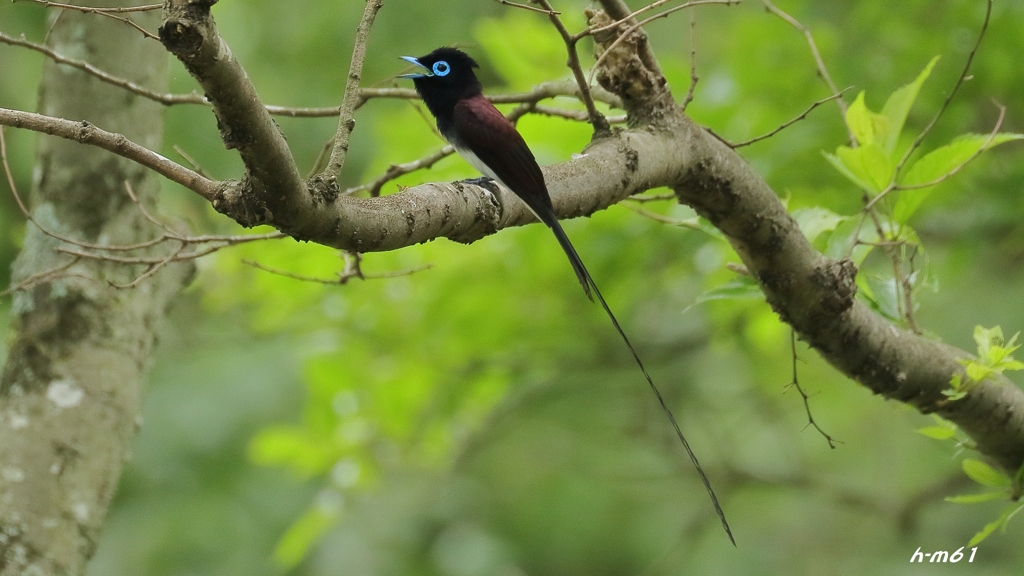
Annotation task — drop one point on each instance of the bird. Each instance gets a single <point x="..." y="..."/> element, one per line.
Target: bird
<point x="489" y="142"/>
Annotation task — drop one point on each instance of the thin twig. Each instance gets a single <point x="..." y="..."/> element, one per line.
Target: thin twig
<point x="29" y="217"/>
<point x="352" y="270"/>
<point x="539" y="92"/>
<point x="151" y="269"/>
<point x="165" y="99"/>
<point x="195" y="165"/>
<point x="396" y="170"/>
<point x="114" y="9"/>
<point x="346" y="120"/>
<point x="807" y="405"/>
<point x="908" y="287"/>
<point x="959" y="81"/>
<point x="822" y="70"/>
<point x="107" y="12"/>
<point x="576" y="115"/>
<point x="693" y="61"/>
<point x="40" y="278"/>
<point x="988" y="142"/>
<point x="638" y="25"/>
<point x="631" y="16"/>
<point x="692" y="223"/>
<point x="321" y="158"/>
<point x="145" y="213"/>
<point x="527" y="7"/>
<point x="856" y="233"/>
<point x="597" y="120"/>
<point x="91" y="250"/>
<point x="654" y="198"/>
<point x="154" y="260"/>
<point x="793" y="121"/>
<point x="904" y="306"/>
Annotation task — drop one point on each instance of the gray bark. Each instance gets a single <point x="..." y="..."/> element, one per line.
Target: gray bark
<point x="70" y="392"/>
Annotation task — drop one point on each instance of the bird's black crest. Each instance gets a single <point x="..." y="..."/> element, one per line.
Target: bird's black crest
<point x="457" y="58"/>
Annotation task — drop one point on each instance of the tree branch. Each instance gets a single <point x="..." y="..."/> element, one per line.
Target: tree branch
<point x="363" y="95"/>
<point x="822" y="69"/>
<point x="816" y="296"/>
<point x="108" y="12"/>
<point x="597" y="120"/>
<point x="188" y="31"/>
<point x="86" y="133"/>
<point x="347" y="121"/>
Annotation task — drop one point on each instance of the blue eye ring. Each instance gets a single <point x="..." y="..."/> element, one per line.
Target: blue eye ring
<point x="441" y="68"/>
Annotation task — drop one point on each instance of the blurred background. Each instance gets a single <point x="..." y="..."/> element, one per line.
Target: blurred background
<point x="481" y="417"/>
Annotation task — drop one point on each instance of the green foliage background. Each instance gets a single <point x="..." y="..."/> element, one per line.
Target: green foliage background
<point x="481" y="417"/>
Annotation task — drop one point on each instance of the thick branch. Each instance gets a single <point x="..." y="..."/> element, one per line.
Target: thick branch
<point x="812" y="293"/>
<point x="816" y="295"/>
<point x="618" y="10"/>
<point x="188" y="32"/>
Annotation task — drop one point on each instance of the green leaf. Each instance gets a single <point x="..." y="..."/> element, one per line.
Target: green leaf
<point x="307" y="530"/>
<point x="740" y="289"/>
<point x="942" y="160"/>
<point x="984" y="474"/>
<point x="938" y="163"/>
<point x="868" y="166"/>
<point x="1011" y="365"/>
<point x="843" y="242"/>
<point x="814" y="221"/>
<point x="937" y="432"/>
<point x="985" y="338"/>
<point x="864" y="123"/>
<point x="908" y="202"/>
<point x="1000" y="522"/>
<point x="296" y="448"/>
<point x="882" y="294"/>
<point x="955" y="394"/>
<point x="898" y="106"/>
<point x="1017" y="489"/>
<point x="709" y="229"/>
<point x="856" y="178"/>
<point x="978" y="372"/>
<point x="976" y="498"/>
<point x="985" y="532"/>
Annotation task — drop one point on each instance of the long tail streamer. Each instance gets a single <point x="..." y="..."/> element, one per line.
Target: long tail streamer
<point x="588" y="283"/>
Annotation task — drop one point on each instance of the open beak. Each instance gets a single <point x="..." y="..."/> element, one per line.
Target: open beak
<point x="414" y="75"/>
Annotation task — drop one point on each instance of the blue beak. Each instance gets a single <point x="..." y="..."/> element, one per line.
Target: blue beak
<point x="414" y="75"/>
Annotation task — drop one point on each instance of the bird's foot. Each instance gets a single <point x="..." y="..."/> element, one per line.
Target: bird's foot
<point x="484" y="182"/>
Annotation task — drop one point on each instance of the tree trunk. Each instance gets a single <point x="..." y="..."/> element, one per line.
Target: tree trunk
<point x="70" y="392"/>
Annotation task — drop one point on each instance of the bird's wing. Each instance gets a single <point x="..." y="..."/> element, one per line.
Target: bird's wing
<point x="486" y="139"/>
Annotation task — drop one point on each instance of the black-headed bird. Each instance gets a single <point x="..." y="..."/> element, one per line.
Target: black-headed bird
<point x="491" y="144"/>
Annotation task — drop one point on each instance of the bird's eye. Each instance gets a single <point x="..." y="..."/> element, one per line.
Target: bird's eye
<point x="441" y="68"/>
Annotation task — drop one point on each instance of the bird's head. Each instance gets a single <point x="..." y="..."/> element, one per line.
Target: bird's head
<point x="447" y="76"/>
